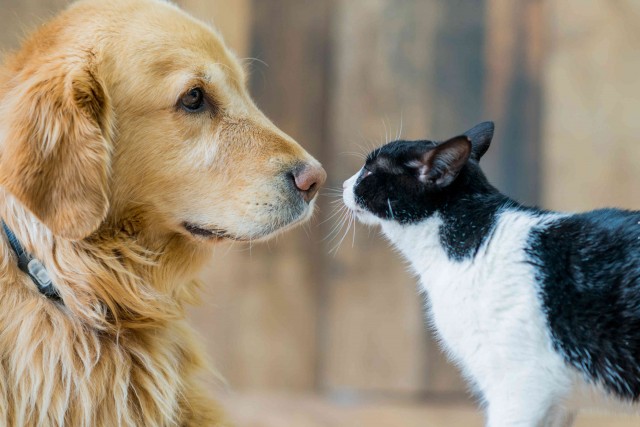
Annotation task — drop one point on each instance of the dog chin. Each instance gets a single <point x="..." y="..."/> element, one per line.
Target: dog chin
<point x="281" y="224"/>
<point x="285" y="225"/>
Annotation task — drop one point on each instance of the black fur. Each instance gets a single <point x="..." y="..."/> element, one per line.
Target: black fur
<point x="589" y="272"/>
<point x="588" y="265"/>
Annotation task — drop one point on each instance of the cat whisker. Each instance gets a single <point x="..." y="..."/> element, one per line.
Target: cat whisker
<point x="337" y="211"/>
<point x="336" y="199"/>
<point x="333" y="189"/>
<point x="393" y="217"/>
<point x="340" y="212"/>
<point x="386" y="136"/>
<point x="353" y="240"/>
<point x="334" y="194"/>
<point x="351" y="219"/>
<point x="346" y="218"/>
<point x="335" y="232"/>
<point x="353" y="153"/>
<point x="330" y="193"/>
<point x="397" y="133"/>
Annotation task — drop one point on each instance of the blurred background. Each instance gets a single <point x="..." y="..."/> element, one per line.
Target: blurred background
<point x="309" y="337"/>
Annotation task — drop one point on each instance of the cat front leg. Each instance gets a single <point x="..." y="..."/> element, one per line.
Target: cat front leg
<point x="560" y="417"/>
<point x="526" y="407"/>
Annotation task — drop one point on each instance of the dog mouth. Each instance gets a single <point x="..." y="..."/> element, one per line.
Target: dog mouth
<point x="207" y="232"/>
<point x="262" y="232"/>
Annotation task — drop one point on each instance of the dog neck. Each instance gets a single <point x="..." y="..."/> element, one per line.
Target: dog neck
<point x="118" y="278"/>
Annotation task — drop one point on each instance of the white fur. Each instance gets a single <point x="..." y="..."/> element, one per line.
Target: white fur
<point x="488" y="315"/>
<point x="487" y="312"/>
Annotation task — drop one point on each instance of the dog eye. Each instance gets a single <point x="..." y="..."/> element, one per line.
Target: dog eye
<point x="193" y="100"/>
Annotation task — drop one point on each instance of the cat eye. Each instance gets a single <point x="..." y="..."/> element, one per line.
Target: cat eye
<point x="193" y="100"/>
<point x="366" y="173"/>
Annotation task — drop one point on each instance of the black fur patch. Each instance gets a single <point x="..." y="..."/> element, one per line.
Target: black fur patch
<point x="390" y="189"/>
<point x="589" y="272"/>
<point x="468" y="222"/>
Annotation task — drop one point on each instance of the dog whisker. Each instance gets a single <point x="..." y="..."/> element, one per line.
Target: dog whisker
<point x="251" y="60"/>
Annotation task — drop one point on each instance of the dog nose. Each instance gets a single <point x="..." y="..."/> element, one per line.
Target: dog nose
<point x="308" y="180"/>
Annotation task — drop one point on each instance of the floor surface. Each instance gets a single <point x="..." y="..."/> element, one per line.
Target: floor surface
<point x="308" y="411"/>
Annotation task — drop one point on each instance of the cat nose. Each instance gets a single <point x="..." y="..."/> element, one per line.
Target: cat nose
<point x="345" y="184"/>
<point x="308" y="180"/>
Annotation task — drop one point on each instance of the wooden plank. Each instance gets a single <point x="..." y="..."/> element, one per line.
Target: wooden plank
<point x="260" y="312"/>
<point x="391" y="65"/>
<point x="457" y="85"/>
<point x="513" y="92"/>
<point x="592" y="105"/>
<point x="456" y="93"/>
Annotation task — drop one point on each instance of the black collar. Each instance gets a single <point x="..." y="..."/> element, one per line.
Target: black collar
<point x="31" y="266"/>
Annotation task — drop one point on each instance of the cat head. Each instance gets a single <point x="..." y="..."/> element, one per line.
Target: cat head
<point x="407" y="181"/>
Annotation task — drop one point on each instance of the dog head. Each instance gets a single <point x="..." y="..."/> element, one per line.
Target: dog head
<point x="125" y="109"/>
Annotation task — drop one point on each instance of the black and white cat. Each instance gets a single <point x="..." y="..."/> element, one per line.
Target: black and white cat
<point x="536" y="307"/>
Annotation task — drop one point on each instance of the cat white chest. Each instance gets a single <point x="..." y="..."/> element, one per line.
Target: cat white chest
<point x="484" y="308"/>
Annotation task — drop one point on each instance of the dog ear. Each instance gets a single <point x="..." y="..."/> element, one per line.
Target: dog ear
<point x="55" y="133"/>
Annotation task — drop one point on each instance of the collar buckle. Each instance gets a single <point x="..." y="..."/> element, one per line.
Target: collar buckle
<point x="32" y="266"/>
<point x="39" y="273"/>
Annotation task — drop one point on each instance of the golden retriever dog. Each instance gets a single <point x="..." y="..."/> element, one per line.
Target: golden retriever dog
<point x="129" y="146"/>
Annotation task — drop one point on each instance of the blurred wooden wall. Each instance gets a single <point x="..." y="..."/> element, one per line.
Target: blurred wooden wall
<point x="342" y="76"/>
<point x="592" y="115"/>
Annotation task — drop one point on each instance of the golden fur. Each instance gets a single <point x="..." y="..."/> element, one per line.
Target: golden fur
<point x="99" y="171"/>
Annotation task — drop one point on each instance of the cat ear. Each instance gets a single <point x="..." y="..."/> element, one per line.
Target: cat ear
<point x="442" y="164"/>
<point x="480" y="136"/>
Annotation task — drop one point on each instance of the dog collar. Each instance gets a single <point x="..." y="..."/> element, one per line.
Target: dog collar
<point x="31" y="266"/>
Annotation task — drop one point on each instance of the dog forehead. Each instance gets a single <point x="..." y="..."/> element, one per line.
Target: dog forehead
<point x="141" y="31"/>
<point x="172" y="34"/>
<point x="161" y="44"/>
